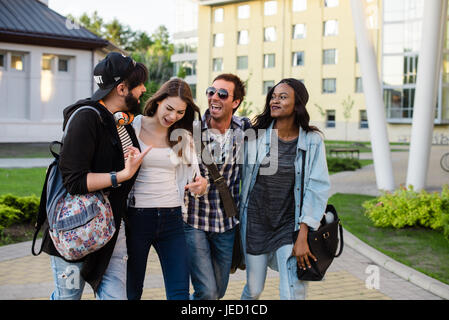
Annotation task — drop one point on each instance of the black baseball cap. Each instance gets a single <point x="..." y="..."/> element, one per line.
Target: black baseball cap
<point x="110" y="71"/>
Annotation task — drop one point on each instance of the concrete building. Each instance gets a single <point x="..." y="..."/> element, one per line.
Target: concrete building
<point x="314" y="41"/>
<point x="46" y="64"/>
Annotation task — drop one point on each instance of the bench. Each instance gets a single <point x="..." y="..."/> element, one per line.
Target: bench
<point x="345" y="151"/>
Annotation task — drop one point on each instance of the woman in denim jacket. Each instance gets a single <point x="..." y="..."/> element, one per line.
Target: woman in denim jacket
<point x="270" y="196"/>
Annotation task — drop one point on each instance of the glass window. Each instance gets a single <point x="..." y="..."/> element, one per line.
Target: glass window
<point x="363" y="119"/>
<point x="299" y="31"/>
<point x="399" y="102"/>
<point x="330" y="28"/>
<point x="218" y="40"/>
<point x="298" y="58"/>
<point x="330" y="56"/>
<point x="330" y="118"/>
<point x="356" y="55"/>
<point x="269" y="60"/>
<point x="267" y="85"/>
<point x="47" y="61"/>
<point x="2" y="60"/>
<point x="331" y="3"/>
<point x="218" y="15"/>
<point x="243" y="11"/>
<point x="358" y="85"/>
<point x="63" y="64"/>
<point x="217" y="64"/>
<point x="17" y="62"/>
<point x="329" y="85"/>
<point x="242" y="62"/>
<point x="270" y="8"/>
<point x="270" y="34"/>
<point x="299" y="5"/>
<point x="243" y="37"/>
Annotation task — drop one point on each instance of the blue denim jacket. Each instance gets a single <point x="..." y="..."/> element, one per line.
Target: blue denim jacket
<point x="316" y="180"/>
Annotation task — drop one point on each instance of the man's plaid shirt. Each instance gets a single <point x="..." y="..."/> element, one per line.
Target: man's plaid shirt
<point x="207" y="212"/>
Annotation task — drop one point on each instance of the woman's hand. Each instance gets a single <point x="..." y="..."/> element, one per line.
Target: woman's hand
<point x="133" y="160"/>
<point x="301" y="248"/>
<point x="198" y="187"/>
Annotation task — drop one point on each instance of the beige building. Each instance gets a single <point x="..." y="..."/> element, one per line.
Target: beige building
<point x="314" y="41"/>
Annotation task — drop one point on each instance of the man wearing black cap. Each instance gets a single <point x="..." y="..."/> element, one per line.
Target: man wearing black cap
<point x="99" y="154"/>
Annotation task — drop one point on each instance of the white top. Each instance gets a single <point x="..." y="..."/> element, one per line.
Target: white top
<point x="163" y="175"/>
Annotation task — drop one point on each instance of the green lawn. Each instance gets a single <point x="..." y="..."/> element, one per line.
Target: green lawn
<point x="22" y="182"/>
<point x="422" y="249"/>
<point x="364" y="147"/>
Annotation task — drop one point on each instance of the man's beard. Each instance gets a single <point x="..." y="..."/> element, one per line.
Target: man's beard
<point x="132" y="103"/>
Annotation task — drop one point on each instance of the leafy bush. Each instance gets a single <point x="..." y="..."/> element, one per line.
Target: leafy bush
<point x="407" y="208"/>
<point x="343" y="164"/>
<point x="15" y="210"/>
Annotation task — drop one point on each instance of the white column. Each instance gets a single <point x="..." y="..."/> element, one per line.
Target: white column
<point x="426" y="92"/>
<point x="374" y="101"/>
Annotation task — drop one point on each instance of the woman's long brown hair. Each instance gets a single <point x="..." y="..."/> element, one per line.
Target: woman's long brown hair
<point x="174" y="88"/>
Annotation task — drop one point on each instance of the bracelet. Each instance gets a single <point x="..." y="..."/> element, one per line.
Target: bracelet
<point x="114" y="179"/>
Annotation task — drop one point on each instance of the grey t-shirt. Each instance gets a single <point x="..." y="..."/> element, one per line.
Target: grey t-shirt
<point x="271" y="207"/>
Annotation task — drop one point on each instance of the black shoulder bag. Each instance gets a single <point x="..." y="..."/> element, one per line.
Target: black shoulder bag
<point x="323" y="242"/>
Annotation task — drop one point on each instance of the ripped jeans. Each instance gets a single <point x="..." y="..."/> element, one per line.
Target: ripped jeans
<point x="69" y="285"/>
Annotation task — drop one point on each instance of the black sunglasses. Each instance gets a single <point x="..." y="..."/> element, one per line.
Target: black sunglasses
<point x="223" y="94"/>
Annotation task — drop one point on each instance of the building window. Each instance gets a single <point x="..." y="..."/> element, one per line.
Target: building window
<point x="47" y="61"/>
<point x="356" y="55"/>
<point x="217" y="64"/>
<point x="330" y="3"/>
<point x="63" y="64"/>
<point x="299" y="5"/>
<point x="270" y="8"/>
<point x="243" y="37"/>
<point x="299" y="31"/>
<point x="298" y="58"/>
<point x="267" y="85"/>
<point x="269" y="34"/>
<point x="358" y="85"/>
<point x="17" y="62"/>
<point x="330" y="28"/>
<point x="243" y="11"/>
<point x="218" y="15"/>
<point x="329" y="85"/>
<point x="269" y="60"/>
<point x="242" y="62"/>
<point x="218" y="40"/>
<point x="2" y="60"/>
<point x="330" y="56"/>
<point x="399" y="102"/>
<point x="330" y="118"/>
<point x="363" y="119"/>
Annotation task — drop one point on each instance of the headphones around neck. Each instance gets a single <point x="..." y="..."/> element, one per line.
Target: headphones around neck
<point x="123" y="118"/>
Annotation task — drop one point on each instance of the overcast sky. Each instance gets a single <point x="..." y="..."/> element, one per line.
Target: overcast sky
<point x="144" y="15"/>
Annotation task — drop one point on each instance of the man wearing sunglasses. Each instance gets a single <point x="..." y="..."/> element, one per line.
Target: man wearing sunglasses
<point x="209" y="232"/>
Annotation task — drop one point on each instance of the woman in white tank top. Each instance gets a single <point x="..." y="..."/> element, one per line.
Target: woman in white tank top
<point x="157" y="201"/>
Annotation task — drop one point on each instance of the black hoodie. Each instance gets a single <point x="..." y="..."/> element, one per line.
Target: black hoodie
<point x="93" y="145"/>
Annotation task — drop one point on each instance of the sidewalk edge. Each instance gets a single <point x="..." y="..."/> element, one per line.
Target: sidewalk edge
<point x="419" y="279"/>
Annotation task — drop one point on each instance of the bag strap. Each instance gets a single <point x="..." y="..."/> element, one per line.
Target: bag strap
<point x="228" y="201"/>
<point x="303" y="166"/>
<point x="72" y="116"/>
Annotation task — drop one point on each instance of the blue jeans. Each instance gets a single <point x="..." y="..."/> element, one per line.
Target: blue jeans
<point x="256" y="273"/>
<point x="69" y="285"/>
<point x="210" y="258"/>
<point x="162" y="228"/>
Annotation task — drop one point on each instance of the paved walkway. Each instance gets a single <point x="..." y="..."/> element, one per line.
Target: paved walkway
<point x="360" y="273"/>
